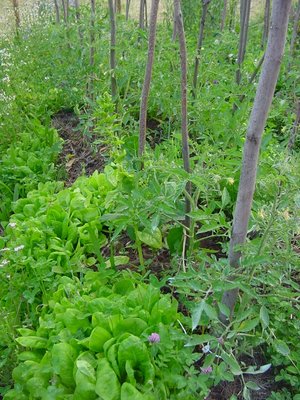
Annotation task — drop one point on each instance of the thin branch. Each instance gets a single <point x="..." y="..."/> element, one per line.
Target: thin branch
<point x="148" y="75"/>
<point x="295" y="129"/>
<point x="17" y="15"/>
<point x="184" y="117"/>
<point x="113" y="50"/>
<point x="57" y="15"/>
<point x="205" y="4"/>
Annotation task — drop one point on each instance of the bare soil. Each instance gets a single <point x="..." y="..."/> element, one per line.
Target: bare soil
<point x="266" y="382"/>
<point x="78" y="157"/>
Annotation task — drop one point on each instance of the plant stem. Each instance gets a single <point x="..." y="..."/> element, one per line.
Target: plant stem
<point x="139" y="247"/>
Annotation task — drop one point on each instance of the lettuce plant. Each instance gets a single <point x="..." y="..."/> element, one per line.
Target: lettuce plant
<point x="26" y="163"/>
<point x="109" y="337"/>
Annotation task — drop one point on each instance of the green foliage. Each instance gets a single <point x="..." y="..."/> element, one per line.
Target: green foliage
<point x="90" y="337"/>
<point x="146" y="200"/>
<point x="27" y="162"/>
<point x="260" y="321"/>
<point x="51" y="231"/>
<point x="91" y="340"/>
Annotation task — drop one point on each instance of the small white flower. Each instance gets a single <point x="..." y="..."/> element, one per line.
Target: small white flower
<point x="5" y="249"/>
<point x="4" y="262"/>
<point x="12" y="224"/>
<point x="206" y="349"/>
<point x="18" y="248"/>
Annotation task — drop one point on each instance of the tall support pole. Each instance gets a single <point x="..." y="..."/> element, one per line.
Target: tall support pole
<point x="257" y="121"/>
<point x="148" y="75"/>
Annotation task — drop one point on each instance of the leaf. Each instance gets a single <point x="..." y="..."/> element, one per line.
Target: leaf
<point x="111" y="175"/>
<point x="252" y="371"/>
<point x="63" y="358"/>
<point x="32" y="341"/>
<point x="100" y="304"/>
<point x="26" y="332"/>
<point x="252" y="385"/>
<point x="111" y="217"/>
<point x="152" y="239"/>
<point x="210" y="311"/>
<point x="29" y="355"/>
<point x="74" y="320"/>
<point x="246" y="393"/>
<point x="196" y="314"/>
<point x="155" y="222"/>
<point x="243" y="314"/>
<point x="248" y="325"/>
<point x="118" y="260"/>
<point x="86" y="369"/>
<point x="164" y="311"/>
<point x="129" y="392"/>
<point x="232" y="363"/>
<point x="212" y="226"/>
<point x="123" y="286"/>
<point x="113" y="322"/>
<point x="282" y="347"/>
<point x="90" y="214"/>
<point x="225" y="197"/>
<point x="199" y="339"/>
<point x="36" y="385"/>
<point x="174" y="239"/>
<point x="143" y="298"/>
<point x="134" y="350"/>
<point x="107" y="385"/>
<point x="224" y="310"/>
<point x="111" y="354"/>
<point x="290" y="369"/>
<point x="98" y="337"/>
<point x="85" y="378"/>
<point x="130" y="373"/>
<point x="297" y="200"/>
<point x="136" y="326"/>
<point x="264" y="317"/>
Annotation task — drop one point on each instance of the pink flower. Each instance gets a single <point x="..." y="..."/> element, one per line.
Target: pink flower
<point x="154" y="338"/>
<point x="206" y="370"/>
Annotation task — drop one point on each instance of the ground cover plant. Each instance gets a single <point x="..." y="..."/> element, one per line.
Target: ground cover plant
<point x="122" y="277"/>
